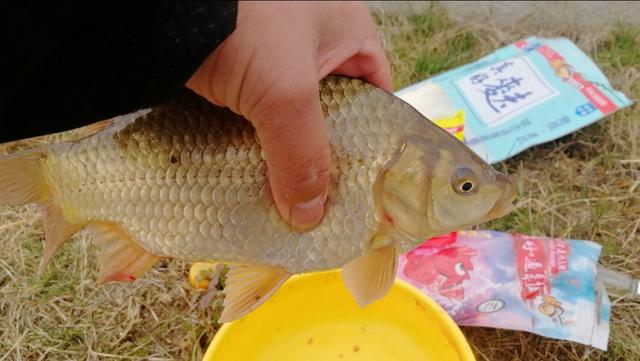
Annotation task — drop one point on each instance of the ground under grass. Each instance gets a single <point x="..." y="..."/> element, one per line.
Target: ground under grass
<point x="583" y="186"/>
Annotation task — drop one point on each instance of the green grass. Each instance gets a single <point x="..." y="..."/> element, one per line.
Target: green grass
<point x="621" y="48"/>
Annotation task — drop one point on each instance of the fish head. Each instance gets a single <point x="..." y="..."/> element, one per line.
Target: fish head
<point x="432" y="189"/>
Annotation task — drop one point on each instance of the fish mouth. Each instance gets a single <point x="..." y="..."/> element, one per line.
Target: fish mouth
<point x="506" y="203"/>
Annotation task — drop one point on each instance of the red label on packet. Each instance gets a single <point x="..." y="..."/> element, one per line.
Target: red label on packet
<point x="559" y="256"/>
<point x="595" y="96"/>
<point x="532" y="265"/>
<point x="565" y="71"/>
<point x="549" y="53"/>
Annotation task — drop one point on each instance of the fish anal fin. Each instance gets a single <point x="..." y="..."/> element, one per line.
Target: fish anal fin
<point x="120" y="257"/>
<point x="370" y="276"/>
<point x="248" y="287"/>
<point x="57" y="230"/>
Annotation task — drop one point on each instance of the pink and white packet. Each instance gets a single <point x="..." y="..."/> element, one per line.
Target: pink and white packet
<point x="547" y="286"/>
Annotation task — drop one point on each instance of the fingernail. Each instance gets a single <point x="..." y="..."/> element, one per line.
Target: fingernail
<point x="306" y="215"/>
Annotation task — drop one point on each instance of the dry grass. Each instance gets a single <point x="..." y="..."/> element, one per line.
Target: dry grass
<point x="582" y="186"/>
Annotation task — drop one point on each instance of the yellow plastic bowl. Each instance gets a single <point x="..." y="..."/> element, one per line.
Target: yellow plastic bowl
<point x="313" y="317"/>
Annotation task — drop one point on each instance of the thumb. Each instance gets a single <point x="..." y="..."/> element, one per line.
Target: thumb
<point x="293" y="136"/>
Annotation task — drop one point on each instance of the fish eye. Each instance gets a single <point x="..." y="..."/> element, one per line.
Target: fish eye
<point x="459" y="268"/>
<point x="464" y="181"/>
<point x="466" y="186"/>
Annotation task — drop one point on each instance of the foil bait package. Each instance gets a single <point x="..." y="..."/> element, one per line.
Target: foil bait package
<point x="522" y="95"/>
<point x="546" y="286"/>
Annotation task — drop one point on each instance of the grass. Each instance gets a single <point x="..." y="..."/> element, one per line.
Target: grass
<point x="582" y="186"/>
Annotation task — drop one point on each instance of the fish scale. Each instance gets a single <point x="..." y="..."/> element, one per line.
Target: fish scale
<point x="227" y="175"/>
<point x="188" y="180"/>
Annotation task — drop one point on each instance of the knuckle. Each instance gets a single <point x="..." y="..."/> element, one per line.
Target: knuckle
<point x="306" y="170"/>
<point x="285" y="102"/>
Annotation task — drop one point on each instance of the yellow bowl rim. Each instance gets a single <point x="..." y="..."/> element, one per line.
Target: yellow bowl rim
<point x="456" y="333"/>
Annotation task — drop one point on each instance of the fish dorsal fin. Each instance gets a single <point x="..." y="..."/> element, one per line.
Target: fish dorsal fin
<point x="57" y="230"/>
<point x="370" y="276"/>
<point x="97" y="127"/>
<point x="249" y="286"/>
<point x="120" y="257"/>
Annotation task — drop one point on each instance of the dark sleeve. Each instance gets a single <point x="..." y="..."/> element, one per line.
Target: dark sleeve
<point x="69" y="64"/>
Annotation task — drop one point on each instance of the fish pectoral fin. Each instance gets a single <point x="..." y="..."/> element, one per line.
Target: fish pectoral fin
<point x="120" y="257"/>
<point x="249" y="286"/>
<point x="370" y="276"/>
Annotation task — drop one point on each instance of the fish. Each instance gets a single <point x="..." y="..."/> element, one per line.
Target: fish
<point x="188" y="180"/>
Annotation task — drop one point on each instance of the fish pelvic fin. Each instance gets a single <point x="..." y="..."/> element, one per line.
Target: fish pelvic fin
<point x="248" y="287"/>
<point x="22" y="181"/>
<point x="370" y="276"/>
<point x="120" y="257"/>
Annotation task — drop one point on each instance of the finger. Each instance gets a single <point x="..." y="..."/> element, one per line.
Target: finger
<point x="291" y="128"/>
<point x="369" y="64"/>
<point x="380" y="78"/>
<point x="368" y="71"/>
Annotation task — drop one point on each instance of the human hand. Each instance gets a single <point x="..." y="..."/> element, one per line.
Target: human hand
<point x="268" y="70"/>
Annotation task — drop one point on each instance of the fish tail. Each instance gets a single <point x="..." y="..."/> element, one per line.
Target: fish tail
<point x="22" y="181"/>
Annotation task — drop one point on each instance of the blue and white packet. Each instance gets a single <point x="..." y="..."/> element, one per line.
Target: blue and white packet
<point x="522" y="95"/>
